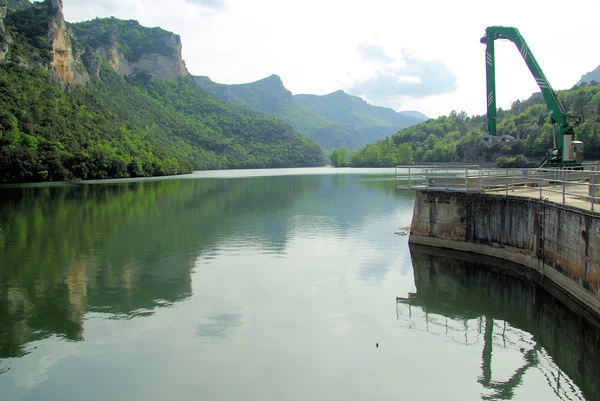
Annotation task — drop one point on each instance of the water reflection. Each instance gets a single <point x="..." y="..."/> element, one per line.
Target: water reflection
<point x="473" y="301"/>
<point x="218" y="325"/>
<point x="122" y="249"/>
<point x="127" y="248"/>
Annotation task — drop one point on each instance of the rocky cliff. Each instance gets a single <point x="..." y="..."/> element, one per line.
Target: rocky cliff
<point x="74" y="52"/>
<point x="130" y="49"/>
<point x="3" y="38"/>
<point x="48" y="40"/>
<point x="65" y="63"/>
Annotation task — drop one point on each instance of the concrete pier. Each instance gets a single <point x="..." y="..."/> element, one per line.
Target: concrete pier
<point x="559" y="242"/>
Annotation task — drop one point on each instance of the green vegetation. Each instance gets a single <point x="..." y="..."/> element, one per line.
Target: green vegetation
<point x="382" y="154"/>
<point x="131" y="39"/>
<point x="29" y="29"/>
<point x="16" y="4"/>
<point x="339" y="157"/>
<point x="457" y="137"/>
<point x="337" y="120"/>
<point x="56" y="239"/>
<point x="354" y="111"/>
<point x="119" y="127"/>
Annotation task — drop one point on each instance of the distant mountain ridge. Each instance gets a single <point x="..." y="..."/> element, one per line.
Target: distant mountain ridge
<point x="590" y="76"/>
<point x="334" y="121"/>
<point x="339" y="106"/>
<point x="267" y="94"/>
<point x="414" y="113"/>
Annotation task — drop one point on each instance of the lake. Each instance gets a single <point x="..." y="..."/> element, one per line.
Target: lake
<point x="266" y="285"/>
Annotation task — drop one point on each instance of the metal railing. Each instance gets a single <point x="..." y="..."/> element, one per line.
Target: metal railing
<point x="575" y="187"/>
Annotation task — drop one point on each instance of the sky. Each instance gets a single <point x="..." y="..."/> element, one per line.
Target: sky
<point x="420" y="55"/>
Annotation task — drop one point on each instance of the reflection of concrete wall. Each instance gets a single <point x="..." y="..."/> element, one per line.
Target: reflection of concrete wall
<point x="510" y="228"/>
<point x="459" y="285"/>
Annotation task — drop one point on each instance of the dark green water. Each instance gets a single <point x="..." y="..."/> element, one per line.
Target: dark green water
<point x="232" y="286"/>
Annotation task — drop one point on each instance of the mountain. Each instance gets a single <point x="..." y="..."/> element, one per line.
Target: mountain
<point x="110" y="98"/>
<point x="416" y="114"/>
<point x="337" y="120"/>
<point x="590" y="76"/>
<point x="457" y="137"/>
<point x="352" y="110"/>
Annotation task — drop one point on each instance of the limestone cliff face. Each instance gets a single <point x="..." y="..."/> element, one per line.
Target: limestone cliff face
<point x="3" y="37"/>
<point x="76" y="52"/>
<point x="159" y="56"/>
<point x="159" y="65"/>
<point x="65" y="63"/>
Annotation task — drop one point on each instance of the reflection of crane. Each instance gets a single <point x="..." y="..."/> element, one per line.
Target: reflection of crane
<point x="565" y="151"/>
<point x="425" y="316"/>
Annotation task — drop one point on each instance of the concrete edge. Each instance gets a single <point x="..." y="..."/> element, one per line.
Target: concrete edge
<point x="521" y="257"/>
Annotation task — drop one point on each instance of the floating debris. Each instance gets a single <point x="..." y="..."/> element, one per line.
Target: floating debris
<point x="403" y="231"/>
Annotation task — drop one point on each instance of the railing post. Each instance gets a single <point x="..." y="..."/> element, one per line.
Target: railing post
<point x="540" y="183"/>
<point x="593" y="189"/>
<point x="446" y="178"/>
<point x="467" y="178"/>
<point x="512" y="185"/>
<point x="506" y="182"/>
<point x="409" y="177"/>
<point x="564" y="184"/>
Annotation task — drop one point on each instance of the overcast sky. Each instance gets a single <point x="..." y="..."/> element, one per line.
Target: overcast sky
<point x="419" y="55"/>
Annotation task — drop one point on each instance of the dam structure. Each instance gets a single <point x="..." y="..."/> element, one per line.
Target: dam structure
<point x="545" y="220"/>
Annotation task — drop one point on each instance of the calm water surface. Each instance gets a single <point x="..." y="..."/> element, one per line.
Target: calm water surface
<point x="270" y="285"/>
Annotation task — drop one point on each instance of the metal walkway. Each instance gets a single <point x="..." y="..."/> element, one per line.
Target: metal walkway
<point x="579" y="188"/>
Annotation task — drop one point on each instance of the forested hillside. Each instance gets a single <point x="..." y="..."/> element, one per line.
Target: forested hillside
<point x="16" y="4"/>
<point x="457" y="137"/>
<point x="334" y="120"/>
<point x="77" y="104"/>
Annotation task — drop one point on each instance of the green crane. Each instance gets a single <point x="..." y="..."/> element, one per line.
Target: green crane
<point x="566" y="152"/>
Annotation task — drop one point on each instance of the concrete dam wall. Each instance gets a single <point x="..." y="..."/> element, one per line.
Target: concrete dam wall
<point x="561" y="243"/>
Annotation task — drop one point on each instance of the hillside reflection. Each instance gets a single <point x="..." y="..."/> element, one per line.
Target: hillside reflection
<point x="127" y="248"/>
<point x="486" y="303"/>
<point x="122" y="249"/>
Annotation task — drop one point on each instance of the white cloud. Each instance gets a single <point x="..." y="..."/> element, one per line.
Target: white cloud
<point x="415" y="79"/>
<point x="373" y="52"/>
<point x="215" y="4"/>
<point x="312" y="44"/>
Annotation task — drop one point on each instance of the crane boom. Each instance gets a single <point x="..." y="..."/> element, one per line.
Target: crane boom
<point x="558" y="113"/>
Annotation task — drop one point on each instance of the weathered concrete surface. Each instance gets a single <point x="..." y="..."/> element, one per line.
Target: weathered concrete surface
<point x="560" y="242"/>
<point x="575" y="197"/>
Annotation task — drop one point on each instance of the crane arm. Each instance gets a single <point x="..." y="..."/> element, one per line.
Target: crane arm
<point x="555" y="107"/>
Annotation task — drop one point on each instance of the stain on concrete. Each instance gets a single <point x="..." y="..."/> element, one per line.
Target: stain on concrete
<point x="556" y="235"/>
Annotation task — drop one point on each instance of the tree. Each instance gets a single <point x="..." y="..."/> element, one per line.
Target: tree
<point x="339" y="157"/>
<point x="457" y="137"/>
